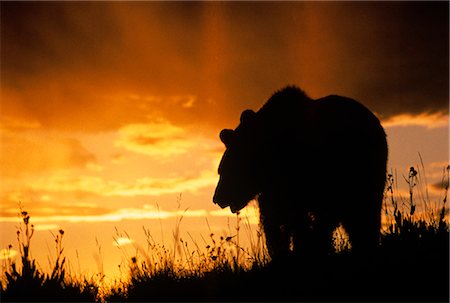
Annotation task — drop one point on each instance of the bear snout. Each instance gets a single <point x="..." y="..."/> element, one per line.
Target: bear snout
<point x="219" y="200"/>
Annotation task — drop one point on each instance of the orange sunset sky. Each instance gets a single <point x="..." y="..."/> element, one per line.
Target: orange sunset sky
<point x="110" y="111"/>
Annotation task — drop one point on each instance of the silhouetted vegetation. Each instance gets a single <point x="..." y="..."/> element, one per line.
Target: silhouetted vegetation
<point x="25" y="282"/>
<point x="411" y="264"/>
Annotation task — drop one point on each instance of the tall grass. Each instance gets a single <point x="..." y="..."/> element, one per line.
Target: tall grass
<point x="411" y="265"/>
<point x="26" y="282"/>
<point x="191" y="270"/>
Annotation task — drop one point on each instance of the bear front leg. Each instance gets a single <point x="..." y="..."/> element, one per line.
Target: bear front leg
<point x="313" y="234"/>
<point x="278" y="235"/>
<point x="364" y="227"/>
<point x="277" y="240"/>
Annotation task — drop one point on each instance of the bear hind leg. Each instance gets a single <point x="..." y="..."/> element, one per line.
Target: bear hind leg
<point x="364" y="231"/>
<point x="315" y="238"/>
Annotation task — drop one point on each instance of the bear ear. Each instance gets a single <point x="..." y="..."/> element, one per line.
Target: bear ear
<point x="227" y="136"/>
<point x="247" y="116"/>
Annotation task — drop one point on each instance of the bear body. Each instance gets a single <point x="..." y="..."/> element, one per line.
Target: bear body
<point x="312" y="165"/>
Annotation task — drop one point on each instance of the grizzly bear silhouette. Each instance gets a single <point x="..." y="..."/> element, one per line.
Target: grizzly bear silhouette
<point x="311" y="165"/>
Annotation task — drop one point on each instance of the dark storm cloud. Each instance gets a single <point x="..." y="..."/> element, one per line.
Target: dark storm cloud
<point x="74" y="64"/>
<point x="409" y="67"/>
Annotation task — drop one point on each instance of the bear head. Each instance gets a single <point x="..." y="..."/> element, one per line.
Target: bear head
<point x="238" y="183"/>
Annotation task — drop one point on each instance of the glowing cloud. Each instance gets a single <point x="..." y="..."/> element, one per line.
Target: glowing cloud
<point x="21" y="153"/>
<point x="430" y="121"/>
<point x="160" y="139"/>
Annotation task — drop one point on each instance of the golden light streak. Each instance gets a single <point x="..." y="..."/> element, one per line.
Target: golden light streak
<point x="8" y="123"/>
<point x="439" y="164"/>
<point x="216" y="52"/>
<point x="45" y="227"/>
<point x="249" y="214"/>
<point x="140" y="187"/>
<point x="147" y="212"/>
<point x="122" y="241"/>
